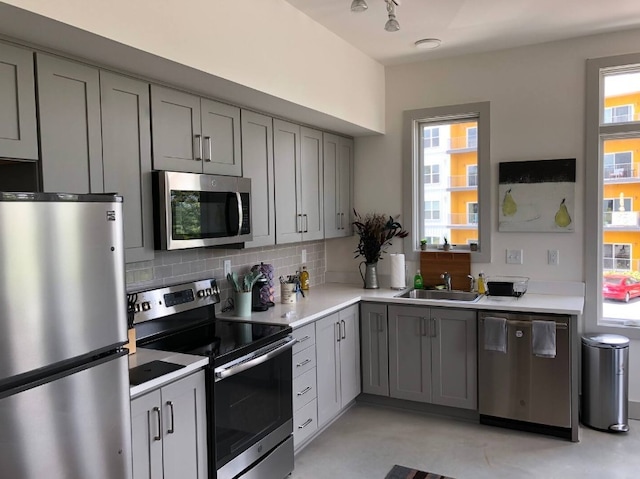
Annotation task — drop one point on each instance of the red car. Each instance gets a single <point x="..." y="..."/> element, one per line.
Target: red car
<point x="620" y="287"/>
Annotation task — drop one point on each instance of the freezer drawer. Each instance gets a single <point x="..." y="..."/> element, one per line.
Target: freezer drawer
<point x="75" y="427"/>
<point x="520" y="386"/>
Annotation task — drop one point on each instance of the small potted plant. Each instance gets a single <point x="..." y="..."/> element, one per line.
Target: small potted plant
<point x="423" y="244"/>
<point x="446" y="246"/>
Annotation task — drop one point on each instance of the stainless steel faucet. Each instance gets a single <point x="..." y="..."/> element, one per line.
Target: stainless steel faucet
<point x="447" y="280"/>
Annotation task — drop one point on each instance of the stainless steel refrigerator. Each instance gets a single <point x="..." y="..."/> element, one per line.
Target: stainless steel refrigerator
<point x="64" y="384"/>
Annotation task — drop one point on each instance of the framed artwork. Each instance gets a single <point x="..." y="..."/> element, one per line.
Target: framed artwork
<point x="537" y="196"/>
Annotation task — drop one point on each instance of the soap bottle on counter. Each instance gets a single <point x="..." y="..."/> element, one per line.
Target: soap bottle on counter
<point x="482" y="289"/>
<point x="417" y="281"/>
<point x="304" y="278"/>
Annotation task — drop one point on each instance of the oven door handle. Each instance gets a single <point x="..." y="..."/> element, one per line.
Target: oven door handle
<point x="230" y="371"/>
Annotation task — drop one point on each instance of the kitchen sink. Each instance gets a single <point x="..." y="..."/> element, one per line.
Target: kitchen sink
<point x="440" y="294"/>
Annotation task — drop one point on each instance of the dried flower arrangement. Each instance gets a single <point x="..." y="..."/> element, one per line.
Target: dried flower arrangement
<point x="376" y="232"/>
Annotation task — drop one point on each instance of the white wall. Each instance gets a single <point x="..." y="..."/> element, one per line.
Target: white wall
<point x="266" y="45"/>
<point x="537" y="97"/>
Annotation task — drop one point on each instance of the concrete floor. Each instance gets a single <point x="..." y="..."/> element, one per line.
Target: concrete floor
<point x="368" y="440"/>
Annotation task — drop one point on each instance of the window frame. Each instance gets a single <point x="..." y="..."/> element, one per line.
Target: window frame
<point x="595" y="133"/>
<point x="412" y="182"/>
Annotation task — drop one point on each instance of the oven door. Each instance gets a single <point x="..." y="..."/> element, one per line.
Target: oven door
<point x="253" y="407"/>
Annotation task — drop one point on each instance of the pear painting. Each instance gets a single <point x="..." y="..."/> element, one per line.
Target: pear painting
<point x="509" y="207"/>
<point x="563" y="219"/>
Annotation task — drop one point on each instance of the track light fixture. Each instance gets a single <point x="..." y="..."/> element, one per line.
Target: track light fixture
<point x="392" y="24"/>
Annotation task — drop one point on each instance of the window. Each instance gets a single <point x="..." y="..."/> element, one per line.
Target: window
<point x="472" y="137"/>
<point x="431" y="174"/>
<point x="618" y="114"/>
<point x="612" y="226"/>
<point x="448" y="201"/>
<point x="431" y="137"/>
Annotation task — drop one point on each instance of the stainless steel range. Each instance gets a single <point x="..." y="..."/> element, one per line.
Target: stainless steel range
<point x="249" y="378"/>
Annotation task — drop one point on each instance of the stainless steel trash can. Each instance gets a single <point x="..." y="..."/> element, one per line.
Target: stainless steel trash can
<point x="605" y="382"/>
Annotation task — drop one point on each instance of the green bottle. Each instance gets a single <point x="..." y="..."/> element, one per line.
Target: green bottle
<point x="417" y="281"/>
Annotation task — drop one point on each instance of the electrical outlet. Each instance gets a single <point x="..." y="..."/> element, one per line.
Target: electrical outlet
<point x="514" y="256"/>
<point x="304" y="256"/>
<point x="227" y="267"/>
<point x="553" y="257"/>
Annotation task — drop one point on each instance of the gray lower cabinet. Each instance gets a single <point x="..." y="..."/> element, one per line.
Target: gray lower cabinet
<point x="70" y="128"/>
<point x="126" y="154"/>
<point x="298" y="183"/>
<point x="169" y="431"/>
<point x="18" y="131"/>
<point x="433" y="355"/>
<point x="338" y="362"/>
<point x="374" y="348"/>
<point x="194" y="134"/>
<point x="338" y="173"/>
<point x="257" y="164"/>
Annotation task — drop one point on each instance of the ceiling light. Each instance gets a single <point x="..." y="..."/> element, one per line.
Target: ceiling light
<point x="359" y="6"/>
<point x="428" y="43"/>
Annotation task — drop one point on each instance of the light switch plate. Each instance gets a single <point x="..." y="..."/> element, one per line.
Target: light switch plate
<point x="514" y="256"/>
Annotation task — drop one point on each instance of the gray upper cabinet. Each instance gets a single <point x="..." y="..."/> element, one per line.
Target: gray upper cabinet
<point x="193" y="134"/>
<point x="18" y="132"/>
<point x="374" y="348"/>
<point x="338" y="174"/>
<point x="257" y="164"/>
<point x="69" y="115"/>
<point x="299" y="183"/>
<point x="432" y="355"/>
<point x="126" y="151"/>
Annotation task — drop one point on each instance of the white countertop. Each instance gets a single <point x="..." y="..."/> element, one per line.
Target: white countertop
<point x="142" y="356"/>
<point x="328" y="298"/>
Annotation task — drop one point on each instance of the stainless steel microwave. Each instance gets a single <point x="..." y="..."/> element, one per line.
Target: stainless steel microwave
<point x="193" y="210"/>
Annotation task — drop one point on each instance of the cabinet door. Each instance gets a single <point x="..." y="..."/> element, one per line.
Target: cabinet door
<point x="184" y="428"/>
<point x="146" y="423"/>
<point x="70" y="137"/>
<point x="257" y="164"/>
<point x="328" y="368"/>
<point x="126" y="156"/>
<point x="345" y="168"/>
<point x="311" y="189"/>
<point x="18" y="135"/>
<point x="454" y="364"/>
<point x="349" y="355"/>
<point x="375" y="352"/>
<point x="175" y="122"/>
<point x="409" y="353"/>
<point x="331" y="186"/>
<point x="286" y="152"/>
<point x="220" y="138"/>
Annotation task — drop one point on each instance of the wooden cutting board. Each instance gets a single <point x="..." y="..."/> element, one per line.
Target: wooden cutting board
<point x="457" y="264"/>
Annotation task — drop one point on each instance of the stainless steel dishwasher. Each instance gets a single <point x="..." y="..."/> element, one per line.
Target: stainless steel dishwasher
<point x="519" y="389"/>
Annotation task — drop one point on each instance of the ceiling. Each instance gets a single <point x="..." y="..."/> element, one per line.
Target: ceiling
<point x="467" y="26"/>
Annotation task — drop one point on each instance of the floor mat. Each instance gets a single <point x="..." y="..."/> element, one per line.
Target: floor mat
<point x="401" y="472"/>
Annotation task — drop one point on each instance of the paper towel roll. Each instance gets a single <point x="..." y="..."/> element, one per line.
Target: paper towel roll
<point x="398" y="280"/>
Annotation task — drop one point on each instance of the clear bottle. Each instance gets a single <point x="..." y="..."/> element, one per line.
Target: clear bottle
<point x="482" y="289"/>
<point x="304" y="278"/>
<point x="417" y="281"/>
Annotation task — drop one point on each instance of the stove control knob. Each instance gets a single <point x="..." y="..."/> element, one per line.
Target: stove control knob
<point x="137" y="308"/>
<point x="146" y="306"/>
<point x="201" y="293"/>
<point x="209" y="292"/>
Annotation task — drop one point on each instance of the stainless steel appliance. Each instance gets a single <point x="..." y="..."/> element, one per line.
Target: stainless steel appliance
<point x="249" y="379"/>
<point x="193" y="210"/>
<point x="64" y="384"/>
<point x="520" y="389"/>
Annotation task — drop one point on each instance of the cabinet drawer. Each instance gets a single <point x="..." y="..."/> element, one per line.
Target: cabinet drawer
<point x="304" y="361"/>
<point x="304" y="389"/>
<point x="305" y="423"/>
<point x="306" y="336"/>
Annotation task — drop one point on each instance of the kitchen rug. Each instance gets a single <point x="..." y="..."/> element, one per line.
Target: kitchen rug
<point x="401" y="472"/>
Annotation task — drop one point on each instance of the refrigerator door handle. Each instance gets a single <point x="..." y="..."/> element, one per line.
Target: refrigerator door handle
<point x="158" y="436"/>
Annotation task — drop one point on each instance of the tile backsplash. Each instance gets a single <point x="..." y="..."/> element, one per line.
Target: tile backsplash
<point x="171" y="267"/>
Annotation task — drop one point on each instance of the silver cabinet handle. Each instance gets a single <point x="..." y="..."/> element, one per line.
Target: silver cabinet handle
<point x="225" y="372"/>
<point x="339" y="332"/>
<point x="433" y="327"/>
<point x="338" y="221"/>
<point x="158" y="436"/>
<point x="341" y="218"/>
<point x="344" y="329"/>
<point x="304" y="338"/>
<point x="306" y="361"/>
<point x="306" y="223"/>
<point x="299" y="224"/>
<point x="207" y="149"/>
<point x="306" y="423"/>
<point x="304" y="391"/>
<point x="198" y="147"/>
<point x="171" y="429"/>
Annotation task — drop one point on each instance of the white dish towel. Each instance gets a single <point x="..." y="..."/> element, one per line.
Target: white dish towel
<point x="543" y="338"/>
<point x="495" y="334"/>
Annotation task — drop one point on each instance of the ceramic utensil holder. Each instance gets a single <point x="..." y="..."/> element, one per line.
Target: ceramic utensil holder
<point x="287" y="293"/>
<point x="242" y="302"/>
